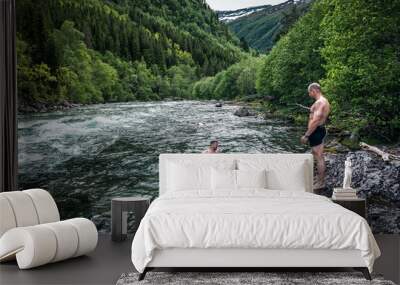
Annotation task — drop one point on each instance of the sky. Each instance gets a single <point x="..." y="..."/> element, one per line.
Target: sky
<point x="238" y="4"/>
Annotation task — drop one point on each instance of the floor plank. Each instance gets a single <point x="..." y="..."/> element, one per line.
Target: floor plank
<point x="389" y="262"/>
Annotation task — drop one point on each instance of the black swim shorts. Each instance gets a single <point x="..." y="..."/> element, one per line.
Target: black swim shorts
<point x="317" y="137"/>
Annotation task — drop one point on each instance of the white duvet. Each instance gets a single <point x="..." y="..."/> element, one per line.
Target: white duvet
<point x="251" y="219"/>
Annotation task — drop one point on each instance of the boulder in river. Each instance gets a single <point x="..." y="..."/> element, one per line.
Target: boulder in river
<point x="218" y="105"/>
<point x="244" y="112"/>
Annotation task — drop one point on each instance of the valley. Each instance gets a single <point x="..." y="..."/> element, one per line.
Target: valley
<point x="99" y="51"/>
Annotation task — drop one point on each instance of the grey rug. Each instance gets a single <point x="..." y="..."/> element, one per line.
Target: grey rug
<point x="243" y="278"/>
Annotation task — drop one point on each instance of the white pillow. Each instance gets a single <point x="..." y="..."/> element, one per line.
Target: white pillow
<point x="293" y="178"/>
<point x="194" y="174"/>
<point x="283" y="172"/>
<point x="226" y="180"/>
<point x="185" y="178"/>
<point x="223" y="179"/>
<point x="251" y="179"/>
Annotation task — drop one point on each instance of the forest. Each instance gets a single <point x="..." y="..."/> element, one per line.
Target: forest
<point x="109" y="51"/>
<point x="96" y="51"/>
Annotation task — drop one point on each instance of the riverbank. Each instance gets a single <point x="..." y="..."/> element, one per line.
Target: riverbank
<point x="339" y="139"/>
<point x="38" y="107"/>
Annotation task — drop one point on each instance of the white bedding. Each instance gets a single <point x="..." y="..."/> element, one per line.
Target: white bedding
<point x="251" y="219"/>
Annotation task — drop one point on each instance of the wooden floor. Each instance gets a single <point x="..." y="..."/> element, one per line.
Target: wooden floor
<point x="111" y="259"/>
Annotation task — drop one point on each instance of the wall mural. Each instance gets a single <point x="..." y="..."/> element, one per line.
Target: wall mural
<point x="104" y="87"/>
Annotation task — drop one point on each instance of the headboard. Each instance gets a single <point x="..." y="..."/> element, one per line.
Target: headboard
<point x="270" y="158"/>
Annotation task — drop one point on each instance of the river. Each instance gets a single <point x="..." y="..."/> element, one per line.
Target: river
<point x="88" y="155"/>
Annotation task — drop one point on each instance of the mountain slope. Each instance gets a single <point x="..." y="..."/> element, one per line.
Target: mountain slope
<point x="264" y="25"/>
<point x="155" y="40"/>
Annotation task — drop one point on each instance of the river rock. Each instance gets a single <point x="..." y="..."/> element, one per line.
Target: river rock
<point x="244" y="112"/>
<point x="22" y="108"/>
<point x="66" y="104"/>
<point x="375" y="180"/>
<point x="269" y="98"/>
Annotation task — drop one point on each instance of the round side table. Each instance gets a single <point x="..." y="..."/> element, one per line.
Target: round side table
<point x="119" y="214"/>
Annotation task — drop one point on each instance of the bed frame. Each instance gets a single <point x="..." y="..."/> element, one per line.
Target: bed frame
<point x="249" y="258"/>
<point x="245" y="259"/>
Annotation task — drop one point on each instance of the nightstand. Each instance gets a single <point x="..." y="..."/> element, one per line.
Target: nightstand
<point x="358" y="205"/>
<point x="119" y="214"/>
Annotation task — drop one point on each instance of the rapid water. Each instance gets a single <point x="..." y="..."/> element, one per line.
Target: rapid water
<point x="88" y="155"/>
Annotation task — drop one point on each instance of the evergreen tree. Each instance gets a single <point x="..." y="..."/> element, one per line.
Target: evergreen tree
<point x="244" y="44"/>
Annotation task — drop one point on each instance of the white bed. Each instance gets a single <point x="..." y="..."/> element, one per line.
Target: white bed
<point x="201" y="219"/>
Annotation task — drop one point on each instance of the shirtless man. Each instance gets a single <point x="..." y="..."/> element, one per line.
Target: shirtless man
<point x="316" y="131"/>
<point x="212" y="148"/>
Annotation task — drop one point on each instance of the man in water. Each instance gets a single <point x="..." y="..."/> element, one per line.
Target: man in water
<point x="212" y="148"/>
<point x="316" y="131"/>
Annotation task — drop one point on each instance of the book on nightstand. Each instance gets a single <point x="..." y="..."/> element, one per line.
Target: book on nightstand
<point x="344" y="194"/>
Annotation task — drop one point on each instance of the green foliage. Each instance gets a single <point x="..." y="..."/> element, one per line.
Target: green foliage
<point x="144" y="82"/>
<point x="246" y="81"/>
<point x="89" y="79"/>
<point x="180" y="79"/>
<point x="352" y="48"/>
<point x="361" y="50"/>
<point x="203" y="89"/>
<point x="35" y="81"/>
<point x="237" y="81"/>
<point x="244" y="44"/>
<point x="164" y="34"/>
<point x="105" y="51"/>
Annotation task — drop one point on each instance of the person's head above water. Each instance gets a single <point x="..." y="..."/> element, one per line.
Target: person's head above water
<point x="314" y="90"/>
<point x="214" y="145"/>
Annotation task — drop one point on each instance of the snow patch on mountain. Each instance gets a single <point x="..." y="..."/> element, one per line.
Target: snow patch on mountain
<point x="228" y="16"/>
